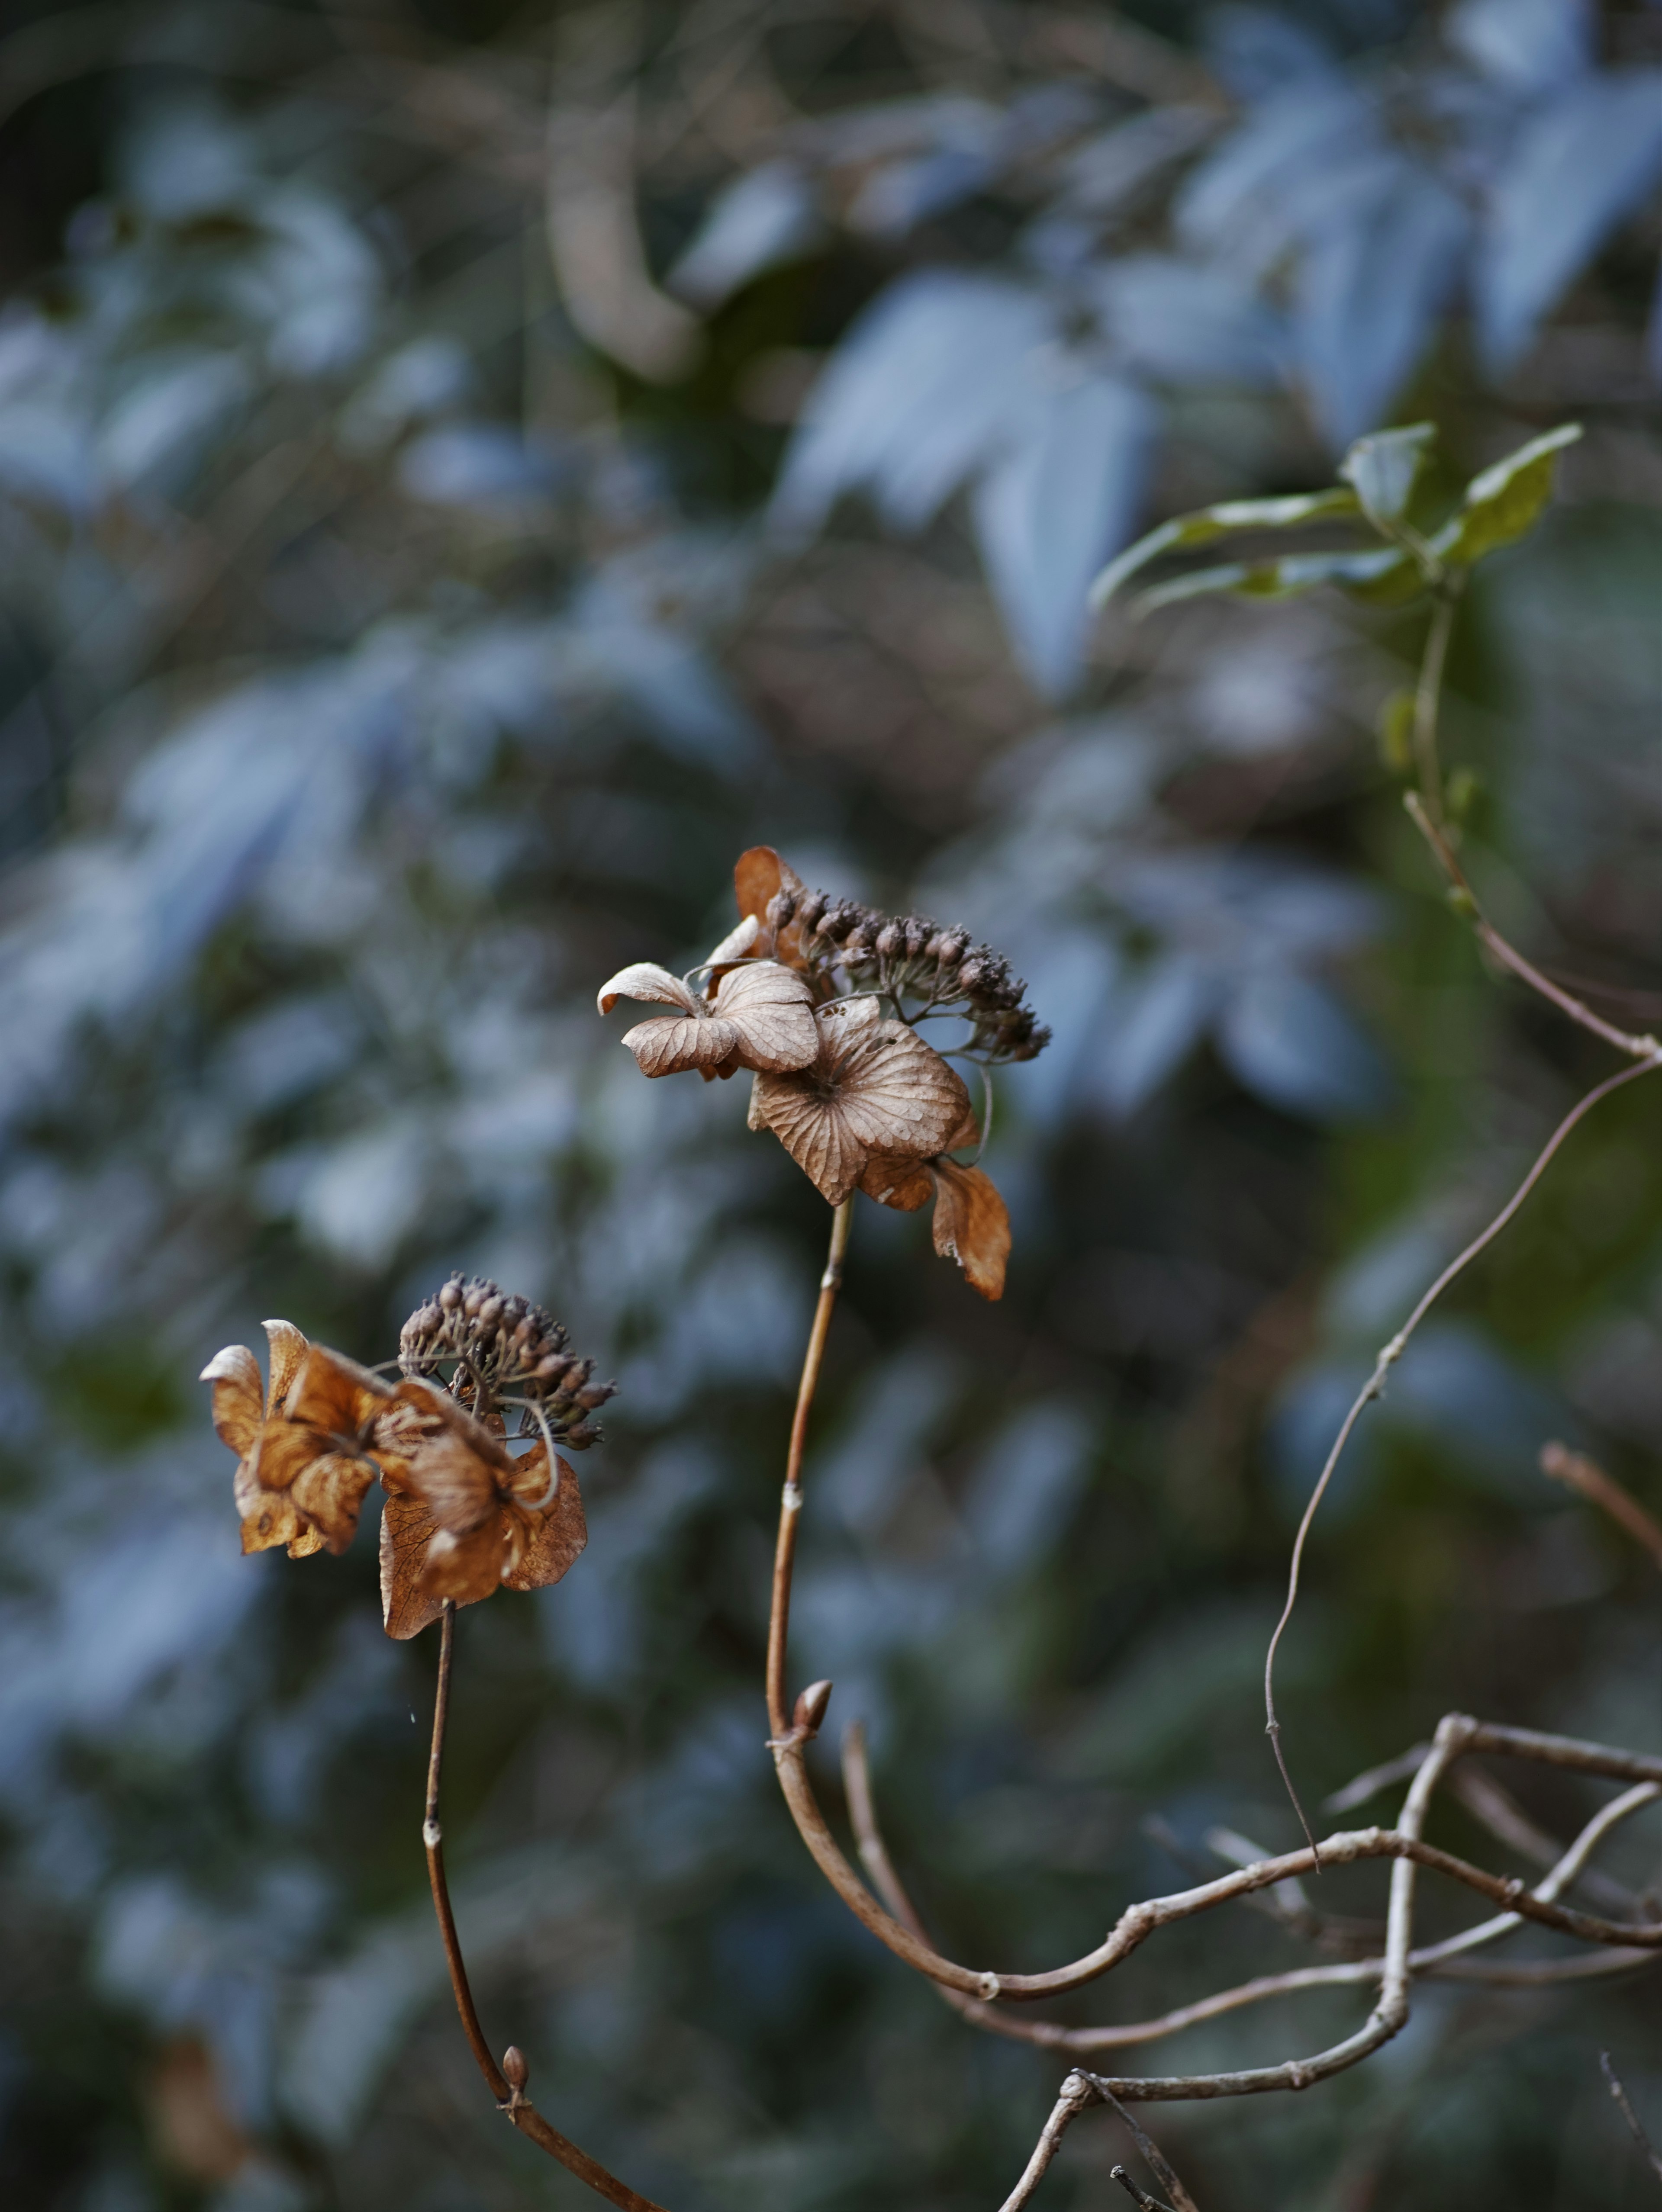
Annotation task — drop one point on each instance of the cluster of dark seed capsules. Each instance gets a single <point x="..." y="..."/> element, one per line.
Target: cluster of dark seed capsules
<point x="504" y="1345"/>
<point x="912" y="954"/>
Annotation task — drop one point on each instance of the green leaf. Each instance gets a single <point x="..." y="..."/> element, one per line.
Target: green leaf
<point x="1383" y="467"/>
<point x="1386" y="575"/>
<point x="1208" y="524"/>
<point x="1503" y="503"/>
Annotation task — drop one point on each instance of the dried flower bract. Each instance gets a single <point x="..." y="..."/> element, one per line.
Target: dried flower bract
<point x="875" y="1090"/>
<point x="464" y="1517"/>
<point x="760" y="1016"/>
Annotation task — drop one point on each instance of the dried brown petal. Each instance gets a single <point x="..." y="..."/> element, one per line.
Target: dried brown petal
<point x="758" y="877"/>
<point x="737" y="943"/>
<point x="288" y="1349"/>
<point x="465" y="1568"/>
<point x="671" y="1044"/>
<point x="902" y="1184"/>
<point x="771" y="1008"/>
<point x="646" y="980"/>
<point x="553" y="1538"/>
<point x="971" y="1225"/>
<point x="878" y="1089"/>
<point x="443" y="1455"/>
<point x="406" y="1530"/>
<point x="239" y="1400"/>
<point x="334" y="1395"/>
<point x="268" y="1517"/>
<point x="328" y="1493"/>
<point x="762" y="1017"/>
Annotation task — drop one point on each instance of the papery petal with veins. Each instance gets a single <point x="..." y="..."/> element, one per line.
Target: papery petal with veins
<point x="762" y="1017"/>
<point x="878" y="1091"/>
<point x="239" y="1400"/>
<point x="737" y="943"/>
<point x="646" y="980"/>
<point x="971" y="1225"/>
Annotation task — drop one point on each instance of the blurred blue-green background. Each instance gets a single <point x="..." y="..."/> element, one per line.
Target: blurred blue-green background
<point x="468" y="470"/>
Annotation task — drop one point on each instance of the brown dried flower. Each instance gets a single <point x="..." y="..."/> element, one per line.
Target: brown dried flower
<point x="308" y="1452"/>
<point x="867" y="1104"/>
<point x="463" y="1517"/>
<point x="761" y="1017"/>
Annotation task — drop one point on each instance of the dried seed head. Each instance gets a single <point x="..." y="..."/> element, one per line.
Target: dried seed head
<point x="503" y="1349"/>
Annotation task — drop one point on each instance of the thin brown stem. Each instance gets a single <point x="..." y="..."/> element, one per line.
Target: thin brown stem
<point x="1428" y="699"/>
<point x="791" y="1506"/>
<point x="432" y="1836"/>
<point x="1623" y="2103"/>
<point x="1458" y="1736"/>
<point x="1387" y="1358"/>
<point x="509" y="2095"/>
<point x="1578" y="1473"/>
<point x="1156" y="2160"/>
<point x="1077" y="2095"/>
<point x="1637" y="1047"/>
<point x="1138" y="2195"/>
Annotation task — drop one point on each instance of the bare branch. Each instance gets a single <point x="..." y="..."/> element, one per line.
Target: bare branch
<point x="1625" y="2107"/>
<point x="1442" y="1960"/>
<point x="1138" y="2195"/>
<point x="1578" y="1473"/>
<point x="1158" y="2163"/>
<point x="1505" y="1818"/>
<point x="1077" y="2095"/>
<point x="1392" y="1352"/>
<point x="1376" y="1778"/>
<point x="1645" y="1049"/>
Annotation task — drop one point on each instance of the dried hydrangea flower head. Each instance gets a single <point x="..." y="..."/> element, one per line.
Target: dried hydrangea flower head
<point x="872" y="1106"/>
<point x="464" y="1516"/>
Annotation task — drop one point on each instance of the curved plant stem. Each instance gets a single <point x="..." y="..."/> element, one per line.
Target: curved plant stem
<point x="1428" y="698"/>
<point x="509" y="2095"/>
<point x="790" y="1507"/>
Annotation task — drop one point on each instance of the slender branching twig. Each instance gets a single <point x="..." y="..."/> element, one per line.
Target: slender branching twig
<point x="1138" y="2195"/>
<point x="1386" y="1359"/>
<point x="1625" y="2107"/>
<point x="1159" y="2164"/>
<point x="1076" y="2094"/>
<point x="506" y="2082"/>
<point x="1578" y="1473"/>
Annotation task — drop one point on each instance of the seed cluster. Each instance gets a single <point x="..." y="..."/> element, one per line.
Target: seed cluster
<point x="911" y="956"/>
<point x="503" y="1346"/>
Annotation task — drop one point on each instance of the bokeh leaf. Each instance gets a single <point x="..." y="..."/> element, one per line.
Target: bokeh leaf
<point x="1383" y="468"/>
<point x="1503" y="503"/>
<point x="1207" y="523"/>
<point x="1579" y="164"/>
